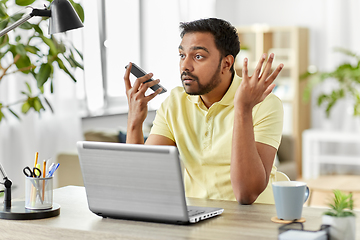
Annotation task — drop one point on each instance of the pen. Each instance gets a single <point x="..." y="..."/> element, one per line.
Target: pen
<point x="51" y="166"/>
<point x="43" y="187"/>
<point x="51" y="171"/>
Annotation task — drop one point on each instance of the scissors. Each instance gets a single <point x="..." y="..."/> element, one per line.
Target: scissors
<point x="36" y="172"/>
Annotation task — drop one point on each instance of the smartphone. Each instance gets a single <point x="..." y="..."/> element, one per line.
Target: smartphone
<point x="138" y="72"/>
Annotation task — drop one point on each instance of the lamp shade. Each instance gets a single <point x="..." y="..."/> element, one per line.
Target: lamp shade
<point x="63" y="17"/>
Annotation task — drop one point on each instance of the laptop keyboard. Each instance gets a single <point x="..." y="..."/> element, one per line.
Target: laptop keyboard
<point x="193" y="212"/>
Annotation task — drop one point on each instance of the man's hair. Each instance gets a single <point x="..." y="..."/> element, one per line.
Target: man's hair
<point x="226" y="36"/>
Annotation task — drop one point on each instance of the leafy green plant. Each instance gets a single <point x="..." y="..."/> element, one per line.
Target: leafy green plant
<point x="348" y="78"/>
<point x="38" y="55"/>
<point x="341" y="205"/>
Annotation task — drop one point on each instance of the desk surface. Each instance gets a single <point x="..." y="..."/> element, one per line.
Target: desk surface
<point x="77" y="222"/>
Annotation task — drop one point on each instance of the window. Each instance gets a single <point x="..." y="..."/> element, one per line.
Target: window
<point x="142" y="31"/>
<point x="111" y="40"/>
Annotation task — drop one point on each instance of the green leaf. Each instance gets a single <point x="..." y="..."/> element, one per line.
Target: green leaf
<point x="26" y="26"/>
<point x="16" y="17"/>
<point x="25" y="107"/>
<point x="62" y="66"/>
<point x="17" y="116"/>
<point x="37" y="104"/>
<point x="24" y="2"/>
<point x="1" y="113"/>
<point x="4" y="40"/>
<point x="79" y="53"/>
<point x="342" y="205"/>
<point x="23" y="62"/>
<point x="73" y="62"/>
<point x="53" y="50"/>
<point x="44" y="73"/>
<point x="4" y="23"/>
<point x="32" y="49"/>
<point x="79" y="10"/>
<point x="3" y="13"/>
<point x="20" y="49"/>
<point x="59" y="45"/>
<point x="345" y="51"/>
<point x="48" y="103"/>
<point x="37" y="29"/>
<point x="51" y="86"/>
<point x="28" y="87"/>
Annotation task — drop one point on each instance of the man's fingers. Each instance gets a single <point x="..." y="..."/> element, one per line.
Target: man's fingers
<point x="146" y="85"/>
<point x="259" y="65"/>
<point x="274" y="74"/>
<point x="269" y="89"/>
<point x="127" y="77"/>
<point x="138" y="82"/>
<point x="154" y="94"/>
<point x="245" y="68"/>
<point x="267" y="70"/>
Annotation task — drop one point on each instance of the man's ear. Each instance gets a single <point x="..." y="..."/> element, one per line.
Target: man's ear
<point x="227" y="62"/>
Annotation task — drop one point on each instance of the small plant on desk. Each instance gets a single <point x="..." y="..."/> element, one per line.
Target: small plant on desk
<point x="341" y="217"/>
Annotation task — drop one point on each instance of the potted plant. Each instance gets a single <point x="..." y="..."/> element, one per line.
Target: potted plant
<point x="347" y="76"/>
<point x="28" y="50"/>
<point x="340" y="217"/>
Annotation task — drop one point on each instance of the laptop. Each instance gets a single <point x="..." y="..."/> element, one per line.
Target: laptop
<point x="137" y="182"/>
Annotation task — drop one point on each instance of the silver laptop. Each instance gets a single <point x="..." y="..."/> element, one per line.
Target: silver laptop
<point x="139" y="182"/>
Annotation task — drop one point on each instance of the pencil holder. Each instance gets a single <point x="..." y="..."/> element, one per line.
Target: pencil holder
<point x="38" y="193"/>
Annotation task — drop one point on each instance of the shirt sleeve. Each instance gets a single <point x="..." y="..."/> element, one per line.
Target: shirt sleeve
<point x="268" y="121"/>
<point x="161" y="125"/>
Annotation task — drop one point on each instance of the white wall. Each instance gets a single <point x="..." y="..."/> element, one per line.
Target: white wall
<point x="331" y="23"/>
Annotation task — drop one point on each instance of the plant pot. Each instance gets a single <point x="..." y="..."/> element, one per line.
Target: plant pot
<point x="342" y="228"/>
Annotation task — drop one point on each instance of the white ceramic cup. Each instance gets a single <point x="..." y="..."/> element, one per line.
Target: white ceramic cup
<point x="290" y="197"/>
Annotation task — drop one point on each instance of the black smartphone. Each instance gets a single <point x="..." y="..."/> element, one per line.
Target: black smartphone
<point x="138" y="72"/>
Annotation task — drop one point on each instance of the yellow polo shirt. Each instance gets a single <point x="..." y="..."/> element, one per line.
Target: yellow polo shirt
<point x="203" y="137"/>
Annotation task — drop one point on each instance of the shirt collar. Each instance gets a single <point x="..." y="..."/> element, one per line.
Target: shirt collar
<point x="228" y="98"/>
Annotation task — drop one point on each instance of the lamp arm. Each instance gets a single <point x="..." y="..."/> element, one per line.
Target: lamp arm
<point x="15" y="25"/>
<point x="35" y="12"/>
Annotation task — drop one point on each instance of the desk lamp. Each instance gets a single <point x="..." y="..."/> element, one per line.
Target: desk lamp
<point x="62" y="18"/>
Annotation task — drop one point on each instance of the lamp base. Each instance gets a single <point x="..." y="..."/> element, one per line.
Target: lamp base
<point x="19" y="212"/>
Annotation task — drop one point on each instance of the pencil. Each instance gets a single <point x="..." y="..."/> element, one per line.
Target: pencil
<point x="33" y="192"/>
<point x="36" y="158"/>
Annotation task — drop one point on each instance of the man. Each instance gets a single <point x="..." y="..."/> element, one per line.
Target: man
<point x="227" y="130"/>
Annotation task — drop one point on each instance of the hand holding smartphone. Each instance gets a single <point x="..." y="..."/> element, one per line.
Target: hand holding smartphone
<point x="138" y="72"/>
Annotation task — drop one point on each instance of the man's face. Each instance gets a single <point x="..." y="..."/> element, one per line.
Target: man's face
<point x="200" y="63"/>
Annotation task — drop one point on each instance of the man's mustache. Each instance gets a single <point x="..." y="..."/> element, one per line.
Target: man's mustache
<point x="188" y="74"/>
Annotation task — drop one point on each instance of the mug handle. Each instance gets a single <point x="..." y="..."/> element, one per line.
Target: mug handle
<point x="307" y="194"/>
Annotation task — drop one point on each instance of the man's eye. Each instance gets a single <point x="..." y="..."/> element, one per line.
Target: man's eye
<point x="198" y="57"/>
<point x="182" y="55"/>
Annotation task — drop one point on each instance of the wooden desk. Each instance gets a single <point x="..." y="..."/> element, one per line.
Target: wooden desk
<point x="77" y="222"/>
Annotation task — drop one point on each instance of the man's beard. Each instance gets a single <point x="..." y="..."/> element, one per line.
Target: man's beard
<point x="203" y="89"/>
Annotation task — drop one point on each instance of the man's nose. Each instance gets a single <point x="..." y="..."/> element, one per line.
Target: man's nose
<point x="186" y="65"/>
